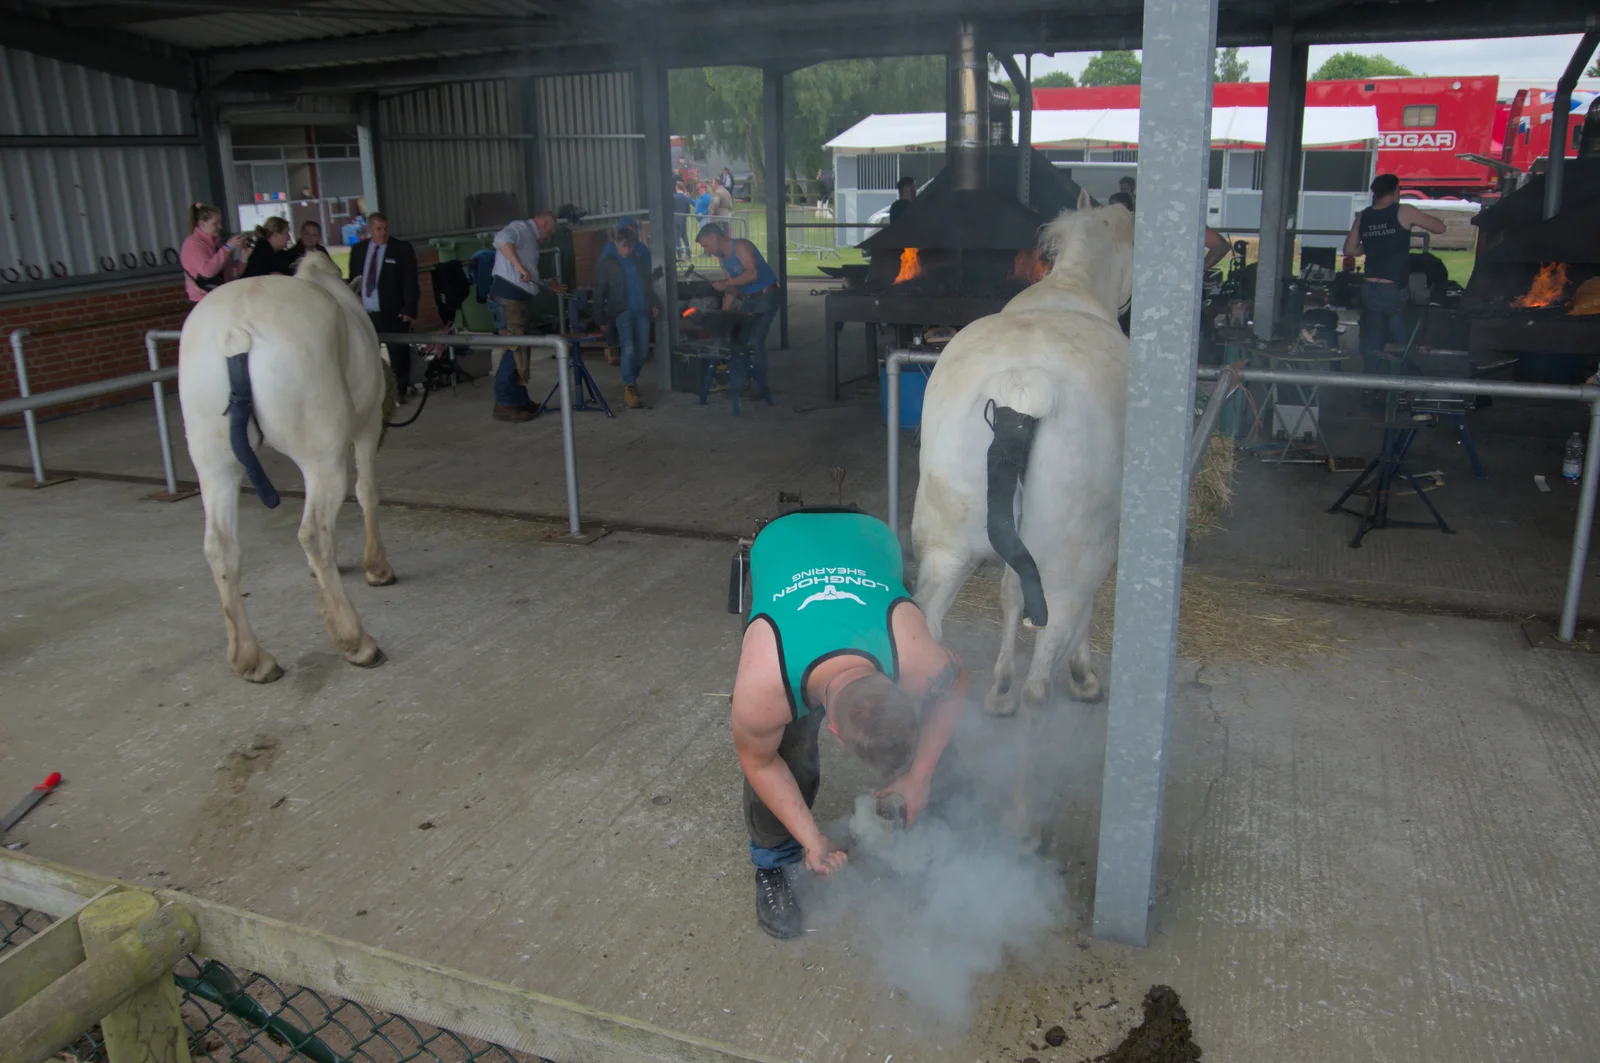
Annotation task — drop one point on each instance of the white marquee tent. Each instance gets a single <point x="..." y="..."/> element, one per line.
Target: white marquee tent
<point x="1230" y="126"/>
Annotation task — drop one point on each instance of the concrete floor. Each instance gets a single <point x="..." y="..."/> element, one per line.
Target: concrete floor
<point x="1387" y="854"/>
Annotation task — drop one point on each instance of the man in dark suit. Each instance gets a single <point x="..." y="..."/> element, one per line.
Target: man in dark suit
<point x="388" y="290"/>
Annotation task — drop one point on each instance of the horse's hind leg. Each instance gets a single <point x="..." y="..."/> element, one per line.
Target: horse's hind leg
<point x="941" y="573"/>
<point x="1002" y="697"/>
<point x="374" y="561"/>
<point x="325" y="490"/>
<point x="219" y="492"/>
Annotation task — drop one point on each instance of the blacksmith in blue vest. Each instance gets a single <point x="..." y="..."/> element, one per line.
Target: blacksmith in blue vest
<point x="751" y="282"/>
<point x="833" y="634"/>
<point x="1382" y="232"/>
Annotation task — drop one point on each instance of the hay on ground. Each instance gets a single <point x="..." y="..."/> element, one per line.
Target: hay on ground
<point x="1211" y="494"/>
<point x="1218" y="621"/>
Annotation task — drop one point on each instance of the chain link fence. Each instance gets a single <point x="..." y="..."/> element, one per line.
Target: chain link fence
<point x="250" y="1018"/>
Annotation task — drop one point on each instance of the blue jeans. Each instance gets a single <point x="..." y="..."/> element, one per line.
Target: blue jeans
<point x="633" y="336"/>
<point x="1383" y="320"/>
<point x="753" y="336"/>
<point x="507" y="390"/>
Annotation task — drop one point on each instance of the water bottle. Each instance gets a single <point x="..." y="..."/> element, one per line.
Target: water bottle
<point x="1572" y="460"/>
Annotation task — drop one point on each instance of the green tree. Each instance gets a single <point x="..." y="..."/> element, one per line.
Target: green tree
<point x="1111" y="68"/>
<point x="1594" y="70"/>
<point x="1353" y="66"/>
<point x="1230" y="67"/>
<point x="1056" y="79"/>
<point x="722" y="106"/>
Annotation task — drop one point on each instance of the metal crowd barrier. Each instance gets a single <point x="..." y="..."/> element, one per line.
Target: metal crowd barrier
<point x="28" y="402"/>
<point x="737" y="226"/>
<point x="1230" y="377"/>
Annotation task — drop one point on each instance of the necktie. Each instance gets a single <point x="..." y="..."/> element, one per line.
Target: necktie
<point x="374" y="263"/>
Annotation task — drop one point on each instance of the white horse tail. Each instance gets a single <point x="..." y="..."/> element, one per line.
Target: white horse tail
<point x="241" y="411"/>
<point x="1021" y="399"/>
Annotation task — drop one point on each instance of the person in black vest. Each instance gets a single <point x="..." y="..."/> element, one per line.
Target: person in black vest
<point x="388" y="290"/>
<point x="1382" y="232"/>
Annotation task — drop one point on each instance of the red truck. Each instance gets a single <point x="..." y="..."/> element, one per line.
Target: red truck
<point x="1424" y="123"/>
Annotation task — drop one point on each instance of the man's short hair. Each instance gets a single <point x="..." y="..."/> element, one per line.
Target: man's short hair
<point x="1121" y="197"/>
<point x="1126" y="182"/>
<point x="377" y="216"/>
<point x="627" y="235"/>
<point x="549" y="215"/>
<point x="906" y="182"/>
<point x="712" y="229"/>
<point x="881" y="721"/>
<point x="1385" y="184"/>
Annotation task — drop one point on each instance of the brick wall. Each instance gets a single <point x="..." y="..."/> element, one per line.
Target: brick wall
<point x="80" y="337"/>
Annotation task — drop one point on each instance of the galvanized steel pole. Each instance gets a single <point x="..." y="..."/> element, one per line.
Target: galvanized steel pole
<point x="1180" y="39"/>
<point x="1585" y="527"/>
<point x="151" y="338"/>
<point x="18" y="336"/>
<point x="891" y="368"/>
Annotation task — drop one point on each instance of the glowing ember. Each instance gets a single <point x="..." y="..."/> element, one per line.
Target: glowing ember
<point x="1548" y="287"/>
<point x="690" y="312"/>
<point x="910" y="265"/>
<point x="1028" y="266"/>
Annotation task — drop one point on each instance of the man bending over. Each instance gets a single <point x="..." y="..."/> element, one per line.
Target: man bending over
<point x="834" y="634"/>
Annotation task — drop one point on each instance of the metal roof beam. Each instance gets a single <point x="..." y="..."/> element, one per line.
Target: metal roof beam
<point x="402" y="44"/>
<point x="133" y="12"/>
<point x="1431" y="21"/>
<point x="110" y="52"/>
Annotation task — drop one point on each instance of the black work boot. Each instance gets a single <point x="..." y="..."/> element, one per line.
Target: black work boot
<point x="776" y="909"/>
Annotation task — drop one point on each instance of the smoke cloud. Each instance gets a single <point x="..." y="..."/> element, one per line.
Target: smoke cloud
<point x="940" y="905"/>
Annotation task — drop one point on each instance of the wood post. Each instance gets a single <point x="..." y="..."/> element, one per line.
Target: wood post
<point x="148" y="1028"/>
<point x="124" y="983"/>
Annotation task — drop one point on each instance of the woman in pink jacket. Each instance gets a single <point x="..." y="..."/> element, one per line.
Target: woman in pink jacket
<point x="207" y="259"/>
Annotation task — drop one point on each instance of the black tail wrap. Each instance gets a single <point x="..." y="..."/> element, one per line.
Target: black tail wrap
<point x="241" y="409"/>
<point x="1008" y="461"/>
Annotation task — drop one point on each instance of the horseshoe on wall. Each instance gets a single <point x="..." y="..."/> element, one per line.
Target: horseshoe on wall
<point x="170" y="255"/>
<point x="149" y="258"/>
<point x="58" y="269"/>
<point x="11" y="275"/>
<point x="108" y="263"/>
<point x="130" y="260"/>
<point x="34" y="272"/>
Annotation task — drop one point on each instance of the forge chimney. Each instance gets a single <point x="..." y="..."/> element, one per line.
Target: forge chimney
<point x="967" y="150"/>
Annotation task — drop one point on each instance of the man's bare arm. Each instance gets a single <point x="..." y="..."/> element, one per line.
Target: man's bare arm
<point x="1412" y="218"/>
<point x="937" y="673"/>
<point x="1352" y="242"/>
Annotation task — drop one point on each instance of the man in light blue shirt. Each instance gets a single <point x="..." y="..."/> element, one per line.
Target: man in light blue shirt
<point x="515" y="279"/>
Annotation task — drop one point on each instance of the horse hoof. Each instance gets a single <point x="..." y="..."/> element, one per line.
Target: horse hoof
<point x="1002" y="705"/>
<point x="271" y="674"/>
<point x="1087" y="689"/>
<point x="380" y="579"/>
<point x="368" y="660"/>
<point x="1036" y="694"/>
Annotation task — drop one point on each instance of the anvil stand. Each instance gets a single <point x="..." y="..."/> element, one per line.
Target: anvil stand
<point x="1388" y="466"/>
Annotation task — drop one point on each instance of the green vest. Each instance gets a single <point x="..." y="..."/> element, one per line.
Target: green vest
<point x="827" y="580"/>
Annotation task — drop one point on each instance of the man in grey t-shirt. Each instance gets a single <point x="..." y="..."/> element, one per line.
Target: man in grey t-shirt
<point x="515" y="279"/>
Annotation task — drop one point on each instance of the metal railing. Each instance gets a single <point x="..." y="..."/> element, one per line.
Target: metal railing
<point x="736" y="225"/>
<point x="563" y="383"/>
<point x="81" y="955"/>
<point x="28" y="402"/>
<point x="1230" y="378"/>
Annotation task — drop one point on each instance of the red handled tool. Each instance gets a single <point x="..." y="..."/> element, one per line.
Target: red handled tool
<point x="39" y="793"/>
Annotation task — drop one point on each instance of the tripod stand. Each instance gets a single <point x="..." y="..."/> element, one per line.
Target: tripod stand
<point x="1384" y="469"/>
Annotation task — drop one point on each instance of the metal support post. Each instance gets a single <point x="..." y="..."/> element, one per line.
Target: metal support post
<point x="1180" y="39"/>
<point x="18" y="337"/>
<point x="563" y="386"/>
<point x="1286" y="95"/>
<point x="171" y="494"/>
<point x="772" y="109"/>
<point x="369" y="142"/>
<point x="528" y="94"/>
<point x="1585" y="527"/>
<point x="1560" y="119"/>
<point x="208" y="123"/>
<point x="657" y="171"/>
<point x="892" y="366"/>
<point x="1226" y="385"/>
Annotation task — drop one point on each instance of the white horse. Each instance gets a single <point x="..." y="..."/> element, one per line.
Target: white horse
<point x="1021" y="454"/>
<point x="298" y="358"/>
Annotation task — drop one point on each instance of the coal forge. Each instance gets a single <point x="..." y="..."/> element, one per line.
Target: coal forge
<point x="964" y="247"/>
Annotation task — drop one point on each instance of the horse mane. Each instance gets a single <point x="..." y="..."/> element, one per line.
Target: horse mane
<point x="1081" y="245"/>
<point x="313" y="263"/>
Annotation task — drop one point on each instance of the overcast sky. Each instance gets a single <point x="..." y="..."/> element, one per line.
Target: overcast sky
<point x="1518" y="58"/>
